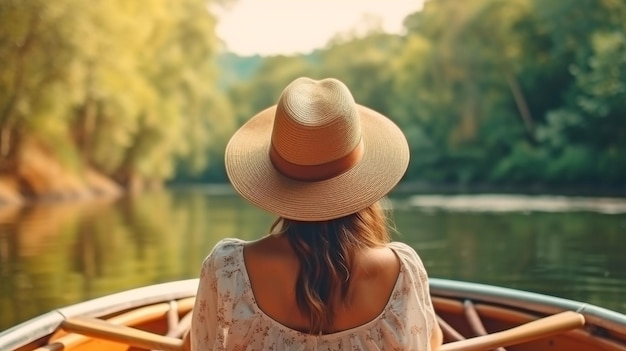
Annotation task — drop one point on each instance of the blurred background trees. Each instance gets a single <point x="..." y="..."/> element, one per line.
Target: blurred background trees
<point x="517" y="93"/>
<point x="102" y="90"/>
<point x="505" y="93"/>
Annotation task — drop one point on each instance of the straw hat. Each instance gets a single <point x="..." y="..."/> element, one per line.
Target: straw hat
<point x="316" y="155"/>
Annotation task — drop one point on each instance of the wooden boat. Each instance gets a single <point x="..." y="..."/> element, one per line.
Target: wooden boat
<point x="472" y="316"/>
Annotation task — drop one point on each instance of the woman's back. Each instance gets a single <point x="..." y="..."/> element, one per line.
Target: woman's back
<point x="229" y="316"/>
<point x="273" y="268"/>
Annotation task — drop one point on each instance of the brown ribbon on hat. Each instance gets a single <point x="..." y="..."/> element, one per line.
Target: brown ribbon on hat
<point x="312" y="173"/>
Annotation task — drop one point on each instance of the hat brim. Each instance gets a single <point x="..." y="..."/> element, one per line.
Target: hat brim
<point x="252" y="174"/>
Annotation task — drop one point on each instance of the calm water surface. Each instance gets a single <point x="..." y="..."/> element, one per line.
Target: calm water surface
<point x="55" y="255"/>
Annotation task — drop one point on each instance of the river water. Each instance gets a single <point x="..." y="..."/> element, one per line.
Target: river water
<point x="54" y="255"/>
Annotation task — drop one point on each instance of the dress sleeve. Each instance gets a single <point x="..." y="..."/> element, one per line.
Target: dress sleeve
<point x="204" y="317"/>
<point x="423" y="288"/>
<point x="421" y="307"/>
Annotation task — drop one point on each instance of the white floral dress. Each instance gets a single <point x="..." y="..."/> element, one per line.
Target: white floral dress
<point x="226" y="316"/>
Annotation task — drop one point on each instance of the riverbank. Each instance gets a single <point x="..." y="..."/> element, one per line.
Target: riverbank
<point x="591" y="190"/>
<point x="92" y="185"/>
<point x="37" y="176"/>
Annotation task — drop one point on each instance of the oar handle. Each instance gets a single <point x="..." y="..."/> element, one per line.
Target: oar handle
<point x="533" y="330"/>
<point x="98" y="328"/>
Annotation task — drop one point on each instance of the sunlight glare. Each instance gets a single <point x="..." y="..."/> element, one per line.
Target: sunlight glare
<point x="272" y="27"/>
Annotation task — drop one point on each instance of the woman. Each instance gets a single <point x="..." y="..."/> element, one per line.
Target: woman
<point x="327" y="277"/>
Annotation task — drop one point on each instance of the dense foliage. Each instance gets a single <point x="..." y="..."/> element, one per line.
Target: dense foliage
<point x="507" y="92"/>
<point x="122" y="87"/>
<point x="504" y="92"/>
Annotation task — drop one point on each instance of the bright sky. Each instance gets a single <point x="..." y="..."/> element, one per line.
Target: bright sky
<point x="271" y="27"/>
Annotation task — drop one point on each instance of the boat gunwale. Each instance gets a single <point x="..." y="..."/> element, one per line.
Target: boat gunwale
<point x="45" y="324"/>
<point x="38" y="327"/>
<point x="530" y="301"/>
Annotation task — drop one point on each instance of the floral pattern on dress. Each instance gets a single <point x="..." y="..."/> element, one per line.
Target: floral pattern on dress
<point x="226" y="316"/>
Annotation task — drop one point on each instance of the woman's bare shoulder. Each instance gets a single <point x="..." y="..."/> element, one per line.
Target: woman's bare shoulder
<point x="378" y="261"/>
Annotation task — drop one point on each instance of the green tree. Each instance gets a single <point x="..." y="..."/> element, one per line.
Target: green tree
<point x="457" y="80"/>
<point x="583" y="132"/>
<point x="520" y="92"/>
<point x="126" y="88"/>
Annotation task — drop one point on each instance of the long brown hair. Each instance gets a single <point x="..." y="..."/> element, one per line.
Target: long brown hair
<point x="326" y="251"/>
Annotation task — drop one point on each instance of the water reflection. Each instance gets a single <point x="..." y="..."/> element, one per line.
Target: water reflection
<point x="577" y="255"/>
<point x="56" y="255"/>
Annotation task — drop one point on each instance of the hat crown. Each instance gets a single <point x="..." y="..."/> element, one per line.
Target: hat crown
<point x="316" y="122"/>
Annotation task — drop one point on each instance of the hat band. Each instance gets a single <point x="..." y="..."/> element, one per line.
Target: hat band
<point x="311" y="173"/>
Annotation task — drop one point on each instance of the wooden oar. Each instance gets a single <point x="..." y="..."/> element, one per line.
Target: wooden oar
<point x="533" y="330"/>
<point x="100" y="329"/>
